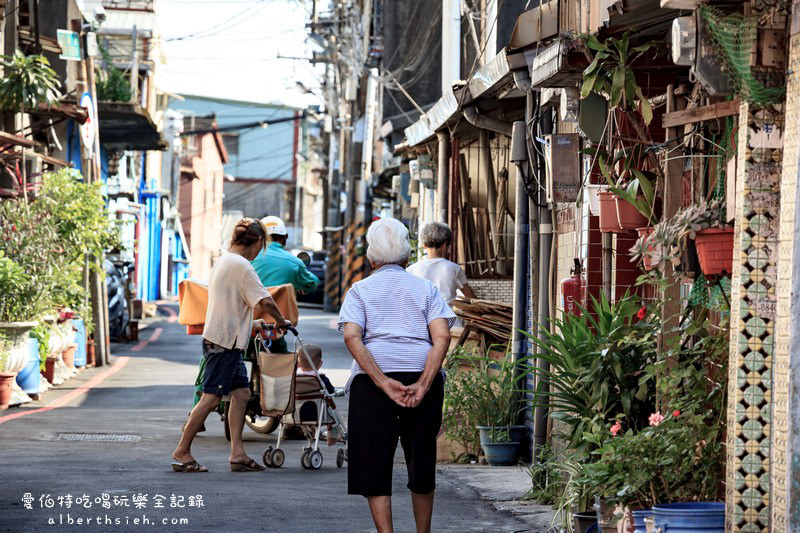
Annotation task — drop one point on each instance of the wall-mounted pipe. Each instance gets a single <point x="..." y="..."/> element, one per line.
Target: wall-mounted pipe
<point x="486" y="123"/>
<point x="442" y="189"/>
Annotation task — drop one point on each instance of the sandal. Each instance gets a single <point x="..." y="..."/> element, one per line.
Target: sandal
<point x="190" y="466"/>
<point x="249" y="466"/>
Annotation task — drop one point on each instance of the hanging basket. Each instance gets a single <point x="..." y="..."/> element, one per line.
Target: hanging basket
<point x="715" y="250"/>
<point x="628" y="216"/>
<point x="609" y="221"/>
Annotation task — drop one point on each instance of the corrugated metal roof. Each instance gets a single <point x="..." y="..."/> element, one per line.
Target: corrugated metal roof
<point x="118" y="20"/>
<point x="442" y="111"/>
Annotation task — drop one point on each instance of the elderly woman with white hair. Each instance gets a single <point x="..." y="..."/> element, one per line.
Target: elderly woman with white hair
<point x="397" y="327"/>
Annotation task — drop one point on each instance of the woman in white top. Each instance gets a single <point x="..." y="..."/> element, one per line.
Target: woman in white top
<point x="446" y="275"/>
<point x="234" y="292"/>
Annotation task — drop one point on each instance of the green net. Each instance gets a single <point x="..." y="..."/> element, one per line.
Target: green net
<point x="733" y="36"/>
<point x="710" y="295"/>
<point x="726" y="151"/>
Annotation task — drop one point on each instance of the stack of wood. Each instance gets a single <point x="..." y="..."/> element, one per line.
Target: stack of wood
<point x="485" y="317"/>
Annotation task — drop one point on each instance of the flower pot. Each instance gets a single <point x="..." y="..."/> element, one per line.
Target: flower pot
<point x="500" y="453"/>
<point x="68" y="356"/>
<point x="606" y="517"/>
<point x="584" y="522"/>
<point x="708" y="517"/>
<point x="29" y="378"/>
<point x="90" y="352"/>
<point x="628" y="217"/>
<point x="15" y="344"/>
<point x="6" y="379"/>
<point x="80" y="340"/>
<point x="607" y="204"/>
<point x="515" y="433"/>
<point x="592" y="198"/>
<point x="639" y="516"/>
<point x="49" y="372"/>
<point x="715" y="250"/>
<point x="648" y="246"/>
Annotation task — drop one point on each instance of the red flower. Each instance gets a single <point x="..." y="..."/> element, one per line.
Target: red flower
<point x="642" y="313"/>
<point x="616" y="428"/>
<point x="676" y="413"/>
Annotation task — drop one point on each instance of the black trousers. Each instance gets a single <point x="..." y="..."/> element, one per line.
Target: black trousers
<point x="375" y="423"/>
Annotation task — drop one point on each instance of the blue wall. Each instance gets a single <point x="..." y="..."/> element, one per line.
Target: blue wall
<point x="263" y="152"/>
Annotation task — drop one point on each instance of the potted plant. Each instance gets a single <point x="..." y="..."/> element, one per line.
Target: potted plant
<point x="629" y="202"/>
<point x="596" y="377"/>
<point x="15" y="323"/>
<point x="669" y="241"/>
<point x="27" y="82"/>
<point x="499" y="449"/>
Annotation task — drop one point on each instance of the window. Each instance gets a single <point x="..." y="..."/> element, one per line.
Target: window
<point x="231" y="142"/>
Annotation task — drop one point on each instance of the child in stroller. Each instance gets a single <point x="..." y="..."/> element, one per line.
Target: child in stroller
<point x="308" y="410"/>
<point x="308" y="407"/>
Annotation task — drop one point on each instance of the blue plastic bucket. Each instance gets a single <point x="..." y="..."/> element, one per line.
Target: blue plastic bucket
<point x="694" y="517"/>
<point x="638" y="520"/>
<point x="29" y="377"/>
<point x="80" y="340"/>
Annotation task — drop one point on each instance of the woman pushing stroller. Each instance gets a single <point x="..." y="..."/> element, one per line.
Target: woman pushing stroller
<point x="234" y="293"/>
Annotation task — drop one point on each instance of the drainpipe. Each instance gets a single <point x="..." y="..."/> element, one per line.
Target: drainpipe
<point x="443" y="192"/>
<point x="543" y="312"/>
<point x="486" y="123"/>
<point x="519" y="157"/>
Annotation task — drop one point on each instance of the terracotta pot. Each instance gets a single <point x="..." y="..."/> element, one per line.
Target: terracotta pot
<point x="90" y="352"/>
<point x="69" y="356"/>
<point x="6" y="379"/>
<point x="49" y="368"/>
<point x="628" y="217"/>
<point x="646" y="232"/>
<point x="609" y="221"/>
<point x="715" y="250"/>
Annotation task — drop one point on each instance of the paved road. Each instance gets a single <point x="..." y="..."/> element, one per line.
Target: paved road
<point x="149" y="397"/>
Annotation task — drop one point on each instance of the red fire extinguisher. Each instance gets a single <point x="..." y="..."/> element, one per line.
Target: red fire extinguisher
<point x="573" y="291"/>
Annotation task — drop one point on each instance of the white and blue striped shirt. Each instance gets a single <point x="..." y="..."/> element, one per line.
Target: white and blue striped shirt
<point x="393" y="309"/>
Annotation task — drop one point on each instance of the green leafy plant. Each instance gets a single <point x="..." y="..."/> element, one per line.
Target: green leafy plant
<point x="112" y="86"/>
<point x="547" y="477"/>
<point x="27" y="82"/>
<point x="499" y="435"/>
<point x="596" y="373"/>
<point x="480" y="391"/>
<point x="611" y="71"/>
<point x="14" y="283"/>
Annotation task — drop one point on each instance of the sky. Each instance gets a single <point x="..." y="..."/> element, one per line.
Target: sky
<point x="232" y="48"/>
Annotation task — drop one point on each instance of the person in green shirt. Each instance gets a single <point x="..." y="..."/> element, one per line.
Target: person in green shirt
<point x="276" y="266"/>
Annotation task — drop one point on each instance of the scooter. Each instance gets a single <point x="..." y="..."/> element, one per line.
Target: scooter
<point x="118" y="314"/>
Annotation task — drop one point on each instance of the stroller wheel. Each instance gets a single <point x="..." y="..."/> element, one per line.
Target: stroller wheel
<point x="304" y="458"/>
<point x="315" y="459"/>
<point x="267" y="457"/>
<point x="340" y="458"/>
<point x="277" y="458"/>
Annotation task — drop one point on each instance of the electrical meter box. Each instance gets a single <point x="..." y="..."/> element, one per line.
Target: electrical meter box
<point x="562" y="158"/>
<point x="423" y="169"/>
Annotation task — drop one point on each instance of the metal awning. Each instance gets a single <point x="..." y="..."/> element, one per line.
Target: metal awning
<point x="534" y="25"/>
<point x="125" y="126"/>
<point x="442" y="111"/>
<point x="559" y="65"/>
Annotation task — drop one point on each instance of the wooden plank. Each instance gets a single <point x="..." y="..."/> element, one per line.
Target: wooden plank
<point x="700" y="114"/>
<point x="9" y="138"/>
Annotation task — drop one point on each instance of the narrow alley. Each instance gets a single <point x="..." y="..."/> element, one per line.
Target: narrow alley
<point x="141" y="401"/>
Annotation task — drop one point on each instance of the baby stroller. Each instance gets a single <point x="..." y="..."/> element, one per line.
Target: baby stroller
<point x="283" y="395"/>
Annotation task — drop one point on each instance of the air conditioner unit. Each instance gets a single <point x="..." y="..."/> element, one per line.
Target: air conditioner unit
<point x="562" y="164"/>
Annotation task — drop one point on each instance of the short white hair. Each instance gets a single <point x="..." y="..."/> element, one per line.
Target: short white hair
<point x="387" y="242"/>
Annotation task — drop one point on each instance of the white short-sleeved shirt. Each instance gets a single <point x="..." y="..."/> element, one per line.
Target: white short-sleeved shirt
<point x="446" y="275"/>
<point x="393" y="309"/>
<point x="233" y="291"/>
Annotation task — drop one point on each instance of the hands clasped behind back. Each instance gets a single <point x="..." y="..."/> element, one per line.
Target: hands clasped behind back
<point x="404" y="395"/>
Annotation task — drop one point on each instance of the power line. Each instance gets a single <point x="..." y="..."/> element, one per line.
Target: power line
<point x="217" y="28"/>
